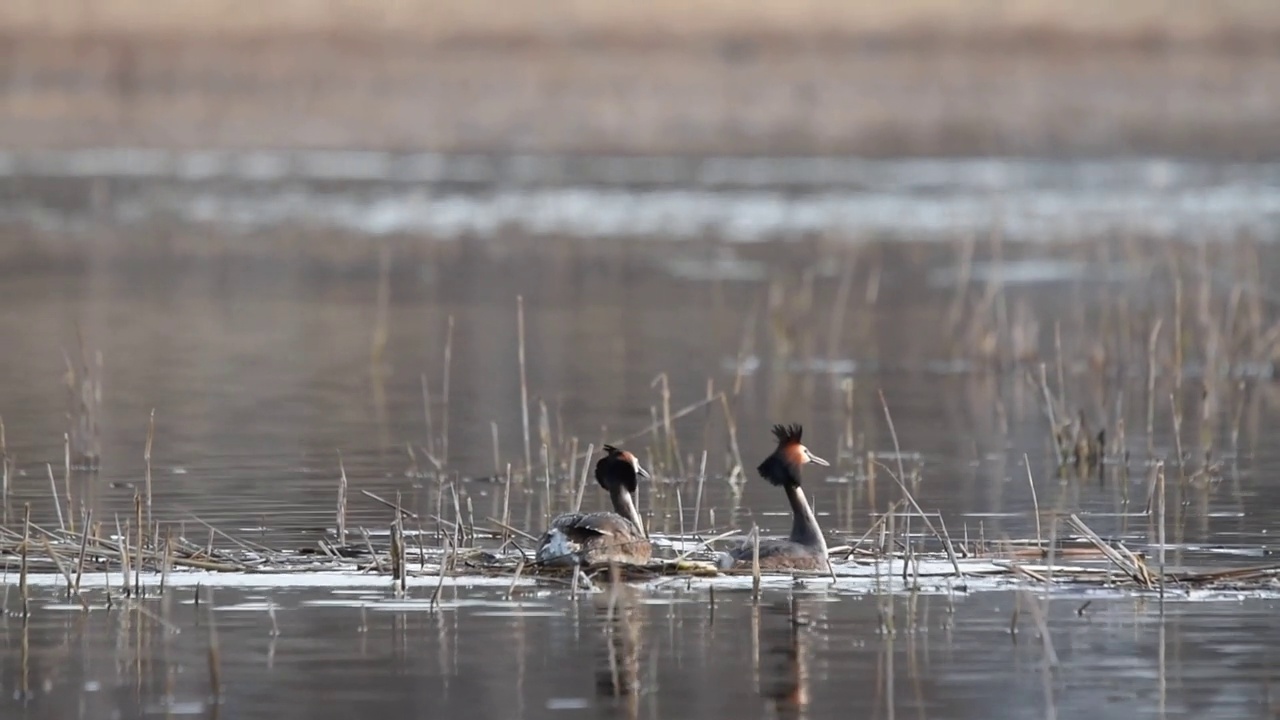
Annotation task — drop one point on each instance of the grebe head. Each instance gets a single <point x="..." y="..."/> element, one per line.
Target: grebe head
<point x="619" y="468"/>
<point x="783" y="466"/>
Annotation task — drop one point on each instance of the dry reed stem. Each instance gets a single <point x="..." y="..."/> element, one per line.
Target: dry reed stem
<point x="457" y="508"/>
<point x="877" y="526"/>
<point x="1152" y="340"/>
<point x="66" y="480"/>
<point x="124" y="555"/>
<point x="248" y="545"/>
<point x="680" y="510"/>
<point x="524" y="385"/>
<point x="582" y="484"/>
<point x="84" y="544"/>
<point x="378" y="343"/>
<point x="444" y="392"/>
<point x="513" y="530"/>
<point x="65" y="573"/>
<point x="399" y="510"/>
<point x="426" y="414"/>
<point x="1177" y="435"/>
<point x="897" y="449"/>
<point x="23" y="590"/>
<point x="57" y="505"/>
<point x="755" y="564"/>
<point x="546" y="485"/>
<point x="671" y="448"/>
<point x="656" y="425"/>
<point x="137" y="570"/>
<point x="1126" y="565"/>
<point x="497" y="458"/>
<point x="1035" y="503"/>
<point x="1160" y="508"/>
<point x="739" y="469"/>
<point x="342" y="501"/>
<point x="506" y="504"/>
<point x="435" y="595"/>
<point x="167" y="565"/>
<point x="697" y="503"/>
<point x="146" y="456"/>
<point x="704" y="544"/>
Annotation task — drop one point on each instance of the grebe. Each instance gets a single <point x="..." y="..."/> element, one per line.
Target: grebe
<point x="602" y="537"/>
<point x="805" y="548"/>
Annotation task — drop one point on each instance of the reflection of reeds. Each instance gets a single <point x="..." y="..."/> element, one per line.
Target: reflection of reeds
<point x="214" y="654"/>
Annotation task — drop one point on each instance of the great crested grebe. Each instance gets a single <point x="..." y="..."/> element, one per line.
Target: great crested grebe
<point x="805" y="548"/>
<point x="602" y="537"/>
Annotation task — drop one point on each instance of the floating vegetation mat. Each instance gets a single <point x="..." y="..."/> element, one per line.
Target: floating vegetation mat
<point x="132" y="564"/>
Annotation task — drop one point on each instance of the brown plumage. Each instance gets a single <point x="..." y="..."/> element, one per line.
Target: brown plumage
<point x="805" y="548"/>
<point x="602" y="537"/>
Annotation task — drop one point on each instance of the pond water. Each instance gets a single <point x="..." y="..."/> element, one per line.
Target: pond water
<point x="254" y="342"/>
<point x="667" y="654"/>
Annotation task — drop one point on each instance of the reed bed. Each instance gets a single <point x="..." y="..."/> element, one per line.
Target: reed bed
<point x="1176" y="355"/>
<point x="143" y="562"/>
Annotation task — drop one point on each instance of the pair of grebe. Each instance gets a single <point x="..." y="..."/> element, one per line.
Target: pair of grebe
<point x="619" y="536"/>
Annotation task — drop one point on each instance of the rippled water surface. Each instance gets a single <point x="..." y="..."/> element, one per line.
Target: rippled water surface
<point x="733" y="198"/>
<point x="669" y="654"/>
<point x="266" y="364"/>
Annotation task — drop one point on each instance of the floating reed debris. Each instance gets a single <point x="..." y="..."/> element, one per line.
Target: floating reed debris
<point x="47" y="551"/>
<point x="1127" y="563"/>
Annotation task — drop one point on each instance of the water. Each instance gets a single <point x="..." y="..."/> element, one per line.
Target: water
<point x="671" y="654"/>
<point x="252" y="342"/>
<point x="664" y="197"/>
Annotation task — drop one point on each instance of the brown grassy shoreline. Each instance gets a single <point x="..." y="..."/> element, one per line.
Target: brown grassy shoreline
<point x="557" y="21"/>
<point x="316" y="93"/>
<point x="916" y="78"/>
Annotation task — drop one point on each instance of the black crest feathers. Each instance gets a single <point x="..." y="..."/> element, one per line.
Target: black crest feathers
<point x="780" y="468"/>
<point x="787" y="434"/>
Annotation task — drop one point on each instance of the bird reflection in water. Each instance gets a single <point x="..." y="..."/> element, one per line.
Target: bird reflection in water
<point x="618" y="669"/>
<point x="782" y="670"/>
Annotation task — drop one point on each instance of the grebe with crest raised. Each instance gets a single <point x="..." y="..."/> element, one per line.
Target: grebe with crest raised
<point x="602" y="537"/>
<point x="805" y="548"/>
